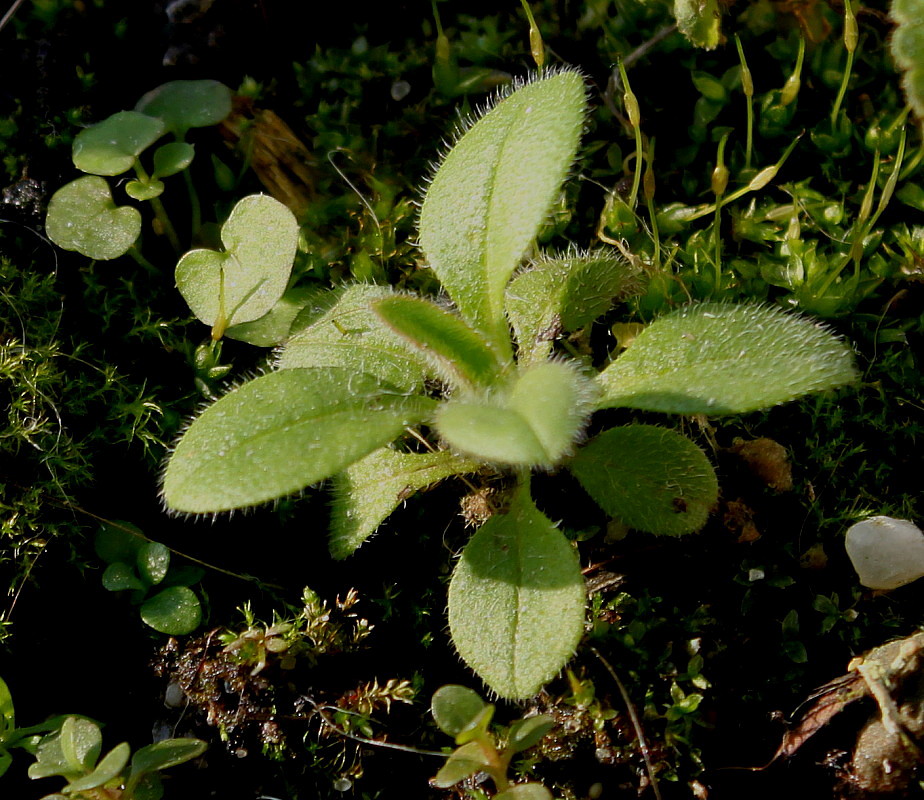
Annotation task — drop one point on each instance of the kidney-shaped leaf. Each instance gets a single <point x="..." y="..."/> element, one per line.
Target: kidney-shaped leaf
<point x="492" y="192"/>
<point x="516" y="600"/>
<point x="187" y="104"/>
<point x="282" y="432"/>
<point x="717" y="358"/>
<point x="244" y="282"/>
<point x="82" y="216"/>
<point x="112" y="146"/>
<point x="649" y="477"/>
<point x="367" y="491"/>
<point x="175" y="611"/>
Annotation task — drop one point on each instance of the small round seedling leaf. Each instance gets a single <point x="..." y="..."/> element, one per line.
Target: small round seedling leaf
<point x="187" y="104"/>
<point x="144" y="190"/>
<point x="456" y="708"/>
<point x="525" y="733"/>
<point x="153" y="562"/>
<point x="245" y="281"/>
<point x="516" y="600"/>
<point x="525" y="791"/>
<point x="165" y="754"/>
<point x="649" y="477"/>
<point x="109" y="767"/>
<point x="81" y="742"/>
<point x="464" y="761"/>
<point x="171" y="158"/>
<point x="119" y="577"/>
<point x="112" y="146"/>
<point x="118" y="541"/>
<point x="175" y="611"/>
<point x="82" y="216"/>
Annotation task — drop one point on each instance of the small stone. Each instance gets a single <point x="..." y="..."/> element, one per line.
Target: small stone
<point x="886" y="552"/>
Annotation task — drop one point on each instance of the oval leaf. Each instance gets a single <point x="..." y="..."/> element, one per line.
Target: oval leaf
<point x="367" y="491"/>
<point x="525" y="791"/>
<point x="651" y="478"/>
<point x="456" y="708"/>
<point x="172" y="158"/>
<point x="115" y="541"/>
<point x="348" y="333"/>
<point x="244" y="282"/>
<point x="464" y="761"/>
<point x="175" y="611"/>
<point x="153" y="561"/>
<point x="457" y="352"/>
<point x="81" y="743"/>
<point x="527" y="732"/>
<point x="187" y="104"/>
<point x="282" y="432"/>
<point x="83" y="217"/>
<point x="516" y="601"/>
<point x="109" y="767"/>
<point x="112" y="146"/>
<point x="167" y="753"/>
<point x="119" y="577"/>
<point x="716" y="358"/>
<point x="493" y="190"/>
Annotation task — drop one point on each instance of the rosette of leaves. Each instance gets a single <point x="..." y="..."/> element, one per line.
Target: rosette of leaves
<point x="82" y="215"/>
<point x="482" y="378"/>
<point x="74" y="752"/>
<point x="143" y="569"/>
<point x="462" y="714"/>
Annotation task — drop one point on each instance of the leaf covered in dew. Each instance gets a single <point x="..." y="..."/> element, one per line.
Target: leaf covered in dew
<point x="367" y="491"/>
<point x="907" y="47"/>
<point x="561" y="294"/>
<point x="493" y="190"/>
<point x="456" y="352"/>
<point x="516" y="600"/>
<point x="245" y="281"/>
<point x="346" y="332"/>
<point x="715" y="358"/>
<point x="282" y="432"/>
<point x="700" y="21"/>
<point x="82" y="216"/>
<point x="175" y="611"/>
<point x="187" y="104"/>
<point x="651" y="478"/>
<point x="112" y="146"/>
<point x="533" y="423"/>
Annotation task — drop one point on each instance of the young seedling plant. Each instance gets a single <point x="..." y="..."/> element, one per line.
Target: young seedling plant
<point x="368" y="371"/>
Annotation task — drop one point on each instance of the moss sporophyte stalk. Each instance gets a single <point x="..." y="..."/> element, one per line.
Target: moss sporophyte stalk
<point x="365" y="372"/>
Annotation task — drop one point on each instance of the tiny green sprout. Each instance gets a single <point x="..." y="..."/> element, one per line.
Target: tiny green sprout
<point x="367" y="369"/>
<point x="142" y="568"/>
<point x="82" y="215"/>
<point x="462" y="714"/>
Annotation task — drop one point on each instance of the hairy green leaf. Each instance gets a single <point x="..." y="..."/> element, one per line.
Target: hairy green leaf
<point x="282" y="432"/>
<point x="82" y="216"/>
<point x="557" y="295"/>
<point x="350" y="334"/>
<point x="535" y="423"/>
<point x="907" y="46"/>
<point x="516" y="600"/>
<point x="649" y="477"/>
<point x="245" y="281"/>
<point x="274" y="327"/>
<point x="493" y="191"/>
<point x="112" y="146"/>
<point x="456" y="352"/>
<point x="187" y="104"/>
<point x="700" y="21"/>
<point x="716" y="358"/>
<point x="367" y="491"/>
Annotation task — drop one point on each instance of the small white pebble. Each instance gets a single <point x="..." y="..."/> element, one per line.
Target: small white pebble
<point x="886" y="552"/>
<point x="756" y="575"/>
